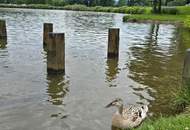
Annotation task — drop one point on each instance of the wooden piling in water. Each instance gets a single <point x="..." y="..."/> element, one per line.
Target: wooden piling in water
<point x="186" y="69"/>
<point x="113" y="43"/>
<point x="56" y="53"/>
<point x="3" y="31"/>
<point x="48" y="27"/>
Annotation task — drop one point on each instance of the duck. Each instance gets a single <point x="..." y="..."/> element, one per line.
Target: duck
<point x="127" y="117"/>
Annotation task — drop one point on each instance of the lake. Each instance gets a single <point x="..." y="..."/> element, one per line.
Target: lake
<point x="148" y="71"/>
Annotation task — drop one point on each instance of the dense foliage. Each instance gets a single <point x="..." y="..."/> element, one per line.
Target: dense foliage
<point x="101" y="2"/>
<point x="62" y="2"/>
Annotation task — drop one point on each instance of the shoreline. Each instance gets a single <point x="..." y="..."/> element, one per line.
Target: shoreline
<point x="131" y="18"/>
<point x="178" y="20"/>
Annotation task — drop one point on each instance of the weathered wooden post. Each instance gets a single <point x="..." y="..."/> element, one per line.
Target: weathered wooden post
<point x="3" y="32"/>
<point x="186" y="69"/>
<point x="48" y="27"/>
<point x="113" y="43"/>
<point x="56" y="53"/>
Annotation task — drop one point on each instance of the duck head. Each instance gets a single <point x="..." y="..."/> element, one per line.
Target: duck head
<point x="118" y="102"/>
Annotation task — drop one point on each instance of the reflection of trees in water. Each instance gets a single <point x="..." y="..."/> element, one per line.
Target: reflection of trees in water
<point x="115" y="128"/>
<point x="3" y="43"/>
<point x="58" y="87"/>
<point x="86" y="23"/>
<point x="157" y="69"/>
<point x="112" y="71"/>
<point x="153" y="34"/>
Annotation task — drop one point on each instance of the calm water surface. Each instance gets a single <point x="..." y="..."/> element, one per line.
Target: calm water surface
<point x="147" y="72"/>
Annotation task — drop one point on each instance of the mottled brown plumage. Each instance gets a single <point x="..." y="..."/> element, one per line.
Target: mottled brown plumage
<point x="127" y="117"/>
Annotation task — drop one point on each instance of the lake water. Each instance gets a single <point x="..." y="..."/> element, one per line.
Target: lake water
<point x="148" y="70"/>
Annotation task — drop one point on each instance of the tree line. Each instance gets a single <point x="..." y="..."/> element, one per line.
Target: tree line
<point x="155" y="3"/>
<point x="62" y="2"/>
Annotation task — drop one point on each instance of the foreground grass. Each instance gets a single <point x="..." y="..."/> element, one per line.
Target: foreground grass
<point x="180" y="122"/>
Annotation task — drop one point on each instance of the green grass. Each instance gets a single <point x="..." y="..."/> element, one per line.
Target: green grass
<point x="187" y="21"/>
<point x="154" y="17"/>
<point x="180" y="122"/>
<point x="180" y="14"/>
<point x="183" y="19"/>
<point x="185" y="10"/>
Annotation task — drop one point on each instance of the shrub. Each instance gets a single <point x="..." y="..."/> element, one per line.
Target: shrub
<point x="177" y="3"/>
<point x="133" y="10"/>
<point x="58" y="2"/>
<point x="187" y="22"/>
<point x="76" y="7"/>
<point x="170" y="10"/>
<point x="184" y="10"/>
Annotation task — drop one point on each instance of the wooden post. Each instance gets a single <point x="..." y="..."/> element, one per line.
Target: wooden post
<point x="186" y="69"/>
<point x="48" y="27"/>
<point x="56" y="53"/>
<point x="113" y="43"/>
<point x="3" y="32"/>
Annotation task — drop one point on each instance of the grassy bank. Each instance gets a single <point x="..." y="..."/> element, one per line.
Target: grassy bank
<point x="163" y="18"/>
<point x="180" y="122"/>
<point x="154" y="17"/>
<point x="140" y="14"/>
<point x="169" y="15"/>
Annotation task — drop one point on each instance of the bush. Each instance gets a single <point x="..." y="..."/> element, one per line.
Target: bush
<point x="58" y="2"/>
<point x="76" y="7"/>
<point x="170" y="10"/>
<point x="135" y="10"/>
<point x="187" y="22"/>
<point x="185" y="10"/>
<point x="177" y="3"/>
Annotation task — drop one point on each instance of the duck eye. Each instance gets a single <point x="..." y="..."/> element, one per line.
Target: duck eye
<point x="142" y="107"/>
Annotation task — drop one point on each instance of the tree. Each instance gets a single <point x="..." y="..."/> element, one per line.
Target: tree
<point x="107" y="2"/>
<point x="122" y="3"/>
<point x="157" y="6"/>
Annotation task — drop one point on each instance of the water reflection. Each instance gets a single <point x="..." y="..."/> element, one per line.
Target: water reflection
<point x="112" y="71"/>
<point x="153" y="66"/>
<point x="153" y="33"/>
<point x="82" y="22"/>
<point x="154" y="62"/>
<point x="58" y="87"/>
<point x="3" y="43"/>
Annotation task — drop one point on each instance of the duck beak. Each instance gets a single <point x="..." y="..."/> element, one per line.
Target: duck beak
<point x="109" y="105"/>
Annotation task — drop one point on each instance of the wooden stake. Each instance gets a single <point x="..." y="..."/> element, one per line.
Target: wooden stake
<point x="3" y="32"/>
<point x="48" y="27"/>
<point x="56" y="53"/>
<point x="113" y="43"/>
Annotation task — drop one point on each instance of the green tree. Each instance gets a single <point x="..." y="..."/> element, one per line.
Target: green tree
<point x="107" y="2"/>
<point x="157" y="6"/>
<point x="122" y="3"/>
